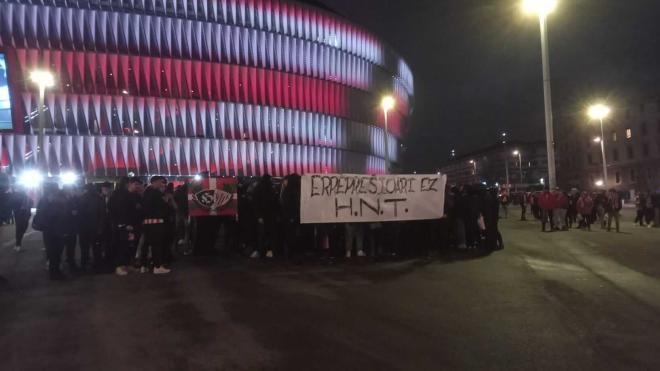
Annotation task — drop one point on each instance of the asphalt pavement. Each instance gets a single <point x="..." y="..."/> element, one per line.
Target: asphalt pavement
<point x="550" y="301"/>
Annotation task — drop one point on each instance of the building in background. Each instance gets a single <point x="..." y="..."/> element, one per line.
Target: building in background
<point x="632" y="148"/>
<point x="180" y="87"/>
<point x="489" y="165"/>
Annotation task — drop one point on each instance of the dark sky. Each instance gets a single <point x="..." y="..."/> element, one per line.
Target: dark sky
<point x="477" y="63"/>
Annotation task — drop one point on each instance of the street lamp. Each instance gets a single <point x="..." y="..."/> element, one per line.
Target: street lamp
<point x="519" y="154"/>
<point x="43" y="79"/>
<point x="600" y="112"/>
<point x="474" y="167"/>
<point x="542" y="8"/>
<point x="387" y="104"/>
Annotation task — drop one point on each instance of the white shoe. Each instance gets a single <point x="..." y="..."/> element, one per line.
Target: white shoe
<point x="161" y="270"/>
<point x="269" y="254"/>
<point x="17" y="248"/>
<point x="361" y="254"/>
<point x="144" y="270"/>
<point x="348" y="254"/>
<point x="121" y="271"/>
<point x="254" y="255"/>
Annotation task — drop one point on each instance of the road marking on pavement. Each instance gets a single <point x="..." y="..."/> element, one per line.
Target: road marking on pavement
<point x="639" y="286"/>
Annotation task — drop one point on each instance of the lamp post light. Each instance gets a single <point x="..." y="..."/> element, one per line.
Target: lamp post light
<point x="519" y="154"/>
<point x="474" y="168"/>
<point x="600" y="112"/>
<point x="43" y="79"/>
<point x="542" y="8"/>
<point x="387" y="104"/>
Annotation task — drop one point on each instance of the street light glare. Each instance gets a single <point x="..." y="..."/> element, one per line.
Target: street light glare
<point x="539" y="7"/>
<point x="599" y="111"/>
<point x="599" y="183"/>
<point x="516" y="153"/>
<point x="387" y="103"/>
<point x="68" y="178"/>
<point x="42" y="78"/>
<point x="597" y="140"/>
<point x="30" y="179"/>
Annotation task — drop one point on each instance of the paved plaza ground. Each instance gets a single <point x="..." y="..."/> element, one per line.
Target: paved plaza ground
<point x="549" y="301"/>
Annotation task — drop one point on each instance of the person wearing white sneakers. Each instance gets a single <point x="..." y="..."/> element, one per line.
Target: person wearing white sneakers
<point x="265" y="208"/>
<point x="354" y="234"/>
<point x="156" y="211"/>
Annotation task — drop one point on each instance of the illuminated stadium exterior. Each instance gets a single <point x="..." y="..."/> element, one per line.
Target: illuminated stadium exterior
<point x="181" y="87"/>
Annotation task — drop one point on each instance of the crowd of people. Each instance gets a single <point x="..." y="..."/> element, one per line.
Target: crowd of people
<point x="561" y="211"/>
<point x="135" y="227"/>
<point x="132" y="227"/>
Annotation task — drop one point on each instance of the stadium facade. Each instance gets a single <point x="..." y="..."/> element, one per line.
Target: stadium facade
<point x="181" y="87"/>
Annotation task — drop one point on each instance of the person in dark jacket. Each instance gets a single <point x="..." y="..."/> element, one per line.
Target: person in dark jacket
<point x="49" y="219"/>
<point x="472" y="233"/>
<point x="92" y="220"/>
<point x="181" y="200"/>
<point x="290" y="204"/>
<point x="490" y="211"/>
<point x="71" y="224"/>
<point x="125" y="216"/>
<point x="266" y="208"/>
<point x="21" y="206"/>
<point x="156" y="212"/>
<point x="170" y="222"/>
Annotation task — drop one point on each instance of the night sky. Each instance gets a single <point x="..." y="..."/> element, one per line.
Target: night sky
<point x="477" y="64"/>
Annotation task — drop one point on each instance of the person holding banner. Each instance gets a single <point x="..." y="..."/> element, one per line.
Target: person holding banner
<point x="354" y="235"/>
<point x="266" y="210"/>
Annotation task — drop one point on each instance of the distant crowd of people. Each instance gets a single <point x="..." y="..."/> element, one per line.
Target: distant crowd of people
<point x="561" y="211"/>
<point x="135" y="227"/>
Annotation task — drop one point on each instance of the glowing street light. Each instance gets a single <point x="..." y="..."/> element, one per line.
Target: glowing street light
<point x="543" y="8"/>
<point x="597" y="140"/>
<point x="474" y="167"/>
<point x="539" y="7"/>
<point x="43" y="79"/>
<point x="387" y="104"/>
<point x="519" y="154"/>
<point x="31" y="179"/>
<point x="600" y="112"/>
<point x="599" y="183"/>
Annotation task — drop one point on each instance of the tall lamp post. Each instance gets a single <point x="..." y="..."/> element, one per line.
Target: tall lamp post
<point x="474" y="169"/>
<point x="387" y="104"/>
<point x="43" y="79"/>
<point x="543" y="8"/>
<point x="600" y="112"/>
<point x="519" y="154"/>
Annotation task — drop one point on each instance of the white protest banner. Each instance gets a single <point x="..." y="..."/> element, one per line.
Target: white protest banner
<point x="348" y="198"/>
